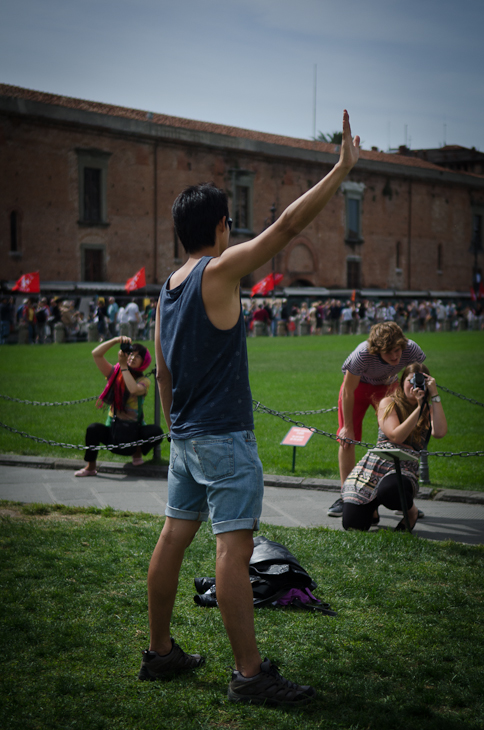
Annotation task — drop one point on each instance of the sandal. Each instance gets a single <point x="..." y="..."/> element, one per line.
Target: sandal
<point x="85" y="473"/>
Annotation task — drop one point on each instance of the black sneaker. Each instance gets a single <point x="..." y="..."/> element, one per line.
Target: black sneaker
<point x="154" y="666"/>
<point x="269" y="688"/>
<point x="336" y="509"/>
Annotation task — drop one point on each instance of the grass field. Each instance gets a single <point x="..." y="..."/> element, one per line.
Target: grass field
<point x="404" y="652"/>
<point x="286" y="374"/>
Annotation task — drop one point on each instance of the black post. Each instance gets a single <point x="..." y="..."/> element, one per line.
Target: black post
<point x="424" y="468"/>
<point x="401" y="492"/>
<point x="293" y="458"/>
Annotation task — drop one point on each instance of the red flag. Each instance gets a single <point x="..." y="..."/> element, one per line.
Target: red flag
<point x="481" y="291"/>
<point x="353" y="295"/>
<point x="473" y="294"/>
<point x="138" y="281"/>
<point x="267" y="284"/>
<point x="28" y="283"/>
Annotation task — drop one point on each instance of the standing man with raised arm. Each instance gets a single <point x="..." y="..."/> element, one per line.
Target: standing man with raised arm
<point x="202" y="374"/>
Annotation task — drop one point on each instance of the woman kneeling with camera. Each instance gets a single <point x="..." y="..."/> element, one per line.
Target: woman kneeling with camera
<point x="124" y="394"/>
<point x="406" y="418"/>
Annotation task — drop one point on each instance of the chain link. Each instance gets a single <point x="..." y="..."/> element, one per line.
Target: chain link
<point x="45" y="403"/>
<point x="258" y="407"/>
<point x="79" y="447"/>
<point x="458" y="395"/>
<point x="280" y="414"/>
<point x="452" y="453"/>
<point x="308" y="413"/>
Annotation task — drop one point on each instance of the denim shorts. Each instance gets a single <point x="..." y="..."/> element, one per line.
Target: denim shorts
<point x="218" y="475"/>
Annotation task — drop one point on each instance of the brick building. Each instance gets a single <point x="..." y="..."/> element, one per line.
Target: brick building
<point x="86" y="191"/>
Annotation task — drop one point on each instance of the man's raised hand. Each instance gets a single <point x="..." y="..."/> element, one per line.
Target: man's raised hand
<point x="350" y="148"/>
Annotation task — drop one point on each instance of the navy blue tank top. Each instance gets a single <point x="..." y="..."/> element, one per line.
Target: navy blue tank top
<point x="208" y="366"/>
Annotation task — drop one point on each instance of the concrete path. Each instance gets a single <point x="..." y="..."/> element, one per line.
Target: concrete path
<point x="288" y="501"/>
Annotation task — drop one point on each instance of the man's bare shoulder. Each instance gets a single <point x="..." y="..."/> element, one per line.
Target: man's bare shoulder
<point x="221" y="295"/>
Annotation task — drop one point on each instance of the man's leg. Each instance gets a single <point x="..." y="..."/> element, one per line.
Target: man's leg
<point x="163" y="572"/>
<point x="346" y="460"/>
<point x="253" y="680"/>
<point x="235" y="598"/>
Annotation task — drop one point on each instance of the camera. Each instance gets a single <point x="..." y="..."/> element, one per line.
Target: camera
<point x="418" y="381"/>
<point x="126" y="347"/>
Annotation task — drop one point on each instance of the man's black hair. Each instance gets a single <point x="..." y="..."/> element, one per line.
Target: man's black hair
<point x="196" y="214"/>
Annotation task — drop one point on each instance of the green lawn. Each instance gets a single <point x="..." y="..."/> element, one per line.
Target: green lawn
<point x="404" y="652"/>
<point x="302" y="373"/>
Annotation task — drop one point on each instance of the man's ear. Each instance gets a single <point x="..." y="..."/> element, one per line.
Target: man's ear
<point x="221" y="224"/>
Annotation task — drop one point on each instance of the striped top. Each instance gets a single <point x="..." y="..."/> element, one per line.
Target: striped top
<point x="374" y="370"/>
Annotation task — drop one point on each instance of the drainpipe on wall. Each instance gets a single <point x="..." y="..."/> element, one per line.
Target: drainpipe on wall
<point x="155" y="215"/>
<point x="409" y="237"/>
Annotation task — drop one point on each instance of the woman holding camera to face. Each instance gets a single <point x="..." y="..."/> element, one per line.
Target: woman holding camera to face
<point x="407" y="418"/>
<point x="124" y="394"/>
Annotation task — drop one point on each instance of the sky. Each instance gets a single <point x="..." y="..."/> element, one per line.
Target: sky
<point x="408" y="72"/>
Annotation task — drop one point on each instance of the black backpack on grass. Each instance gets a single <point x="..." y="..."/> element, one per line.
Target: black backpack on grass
<point x="277" y="578"/>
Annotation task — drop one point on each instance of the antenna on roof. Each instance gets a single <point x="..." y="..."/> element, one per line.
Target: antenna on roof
<point x="314" y="99"/>
<point x="445" y="134"/>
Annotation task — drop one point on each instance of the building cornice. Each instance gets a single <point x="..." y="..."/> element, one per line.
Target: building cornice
<point x="151" y="131"/>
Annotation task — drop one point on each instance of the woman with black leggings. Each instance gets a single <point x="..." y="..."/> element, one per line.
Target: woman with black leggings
<point x="124" y="394"/>
<point x="406" y="419"/>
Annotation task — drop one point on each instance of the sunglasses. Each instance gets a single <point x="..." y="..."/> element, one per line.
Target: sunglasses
<point x="229" y="223"/>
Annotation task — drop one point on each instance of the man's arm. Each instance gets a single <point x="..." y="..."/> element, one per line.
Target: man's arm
<point x="163" y="375"/>
<point x="238" y="261"/>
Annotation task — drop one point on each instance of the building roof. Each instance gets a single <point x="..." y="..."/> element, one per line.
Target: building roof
<point x="180" y="123"/>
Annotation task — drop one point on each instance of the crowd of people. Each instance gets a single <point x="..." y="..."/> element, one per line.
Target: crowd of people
<point x="41" y="315"/>
<point x="333" y="316"/>
<point x="276" y="317"/>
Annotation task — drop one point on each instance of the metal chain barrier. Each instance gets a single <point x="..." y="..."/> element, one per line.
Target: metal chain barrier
<point x="281" y="414"/>
<point x="45" y="403"/>
<point x="458" y="395"/>
<point x="79" y="447"/>
<point x="258" y="407"/>
<point x="308" y="413"/>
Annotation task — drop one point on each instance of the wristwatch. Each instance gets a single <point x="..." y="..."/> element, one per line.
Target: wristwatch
<point x="436" y="399"/>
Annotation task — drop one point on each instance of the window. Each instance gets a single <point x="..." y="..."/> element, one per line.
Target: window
<point x="353" y="272"/>
<point x="440" y="258"/>
<point x="93" y="172"/>
<point x="242" y="195"/>
<point x="242" y="208"/>
<point x="353" y="219"/>
<point x="92" y="262"/>
<point x="353" y="203"/>
<point x="92" y="194"/>
<point x="477" y="231"/>
<point x="398" y="256"/>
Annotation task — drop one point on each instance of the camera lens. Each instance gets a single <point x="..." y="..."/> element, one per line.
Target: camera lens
<point x="418" y="381"/>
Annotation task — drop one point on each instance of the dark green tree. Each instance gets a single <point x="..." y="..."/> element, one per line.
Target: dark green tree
<point x="333" y="138"/>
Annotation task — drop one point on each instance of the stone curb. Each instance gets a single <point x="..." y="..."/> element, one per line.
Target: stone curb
<point x="148" y="469"/>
